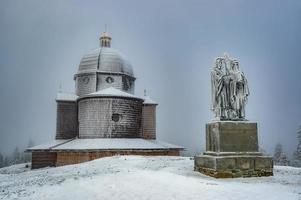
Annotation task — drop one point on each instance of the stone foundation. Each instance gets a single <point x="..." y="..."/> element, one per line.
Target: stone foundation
<point x="69" y="158"/>
<point x="232" y="151"/>
<point x="40" y="159"/>
<point x="234" y="166"/>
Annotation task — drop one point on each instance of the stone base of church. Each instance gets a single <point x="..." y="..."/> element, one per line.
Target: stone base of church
<point x="69" y="158"/>
<point x="47" y="158"/>
<point x="73" y="151"/>
<point x="234" y="166"/>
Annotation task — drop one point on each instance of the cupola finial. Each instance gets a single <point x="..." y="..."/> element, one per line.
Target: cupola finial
<point x="105" y="39"/>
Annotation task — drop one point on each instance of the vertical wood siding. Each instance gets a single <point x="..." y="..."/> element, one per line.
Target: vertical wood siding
<point x="66" y="120"/>
<point x="42" y="159"/>
<point x="95" y="117"/>
<point x="85" y="84"/>
<point x="68" y="158"/>
<point x="149" y="121"/>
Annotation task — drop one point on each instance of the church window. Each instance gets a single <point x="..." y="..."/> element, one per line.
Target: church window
<point x="109" y="79"/>
<point x="86" y="80"/>
<point x="116" y="117"/>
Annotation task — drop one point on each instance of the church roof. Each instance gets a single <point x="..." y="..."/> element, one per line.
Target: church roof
<point x="112" y="92"/>
<point x="105" y="144"/>
<point x="107" y="60"/>
<point x="66" y="97"/>
<point x="149" y="101"/>
<point x="47" y="145"/>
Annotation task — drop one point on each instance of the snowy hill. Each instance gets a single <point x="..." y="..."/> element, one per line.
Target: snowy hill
<point x="137" y="177"/>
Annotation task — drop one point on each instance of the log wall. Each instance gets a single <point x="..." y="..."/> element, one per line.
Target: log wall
<point x="118" y="81"/>
<point x="68" y="158"/>
<point x="149" y="121"/>
<point x="106" y="117"/>
<point x="66" y="120"/>
<point x="85" y="83"/>
<point x="42" y="159"/>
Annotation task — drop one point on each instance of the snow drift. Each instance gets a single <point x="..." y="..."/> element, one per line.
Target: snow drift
<point x="138" y="177"/>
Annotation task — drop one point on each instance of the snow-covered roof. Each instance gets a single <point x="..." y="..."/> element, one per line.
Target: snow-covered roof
<point x="112" y="92"/>
<point x="114" y="144"/>
<point x="66" y="97"/>
<point x="105" y="144"/>
<point x="148" y="100"/>
<point x="48" y="145"/>
<point x="107" y="60"/>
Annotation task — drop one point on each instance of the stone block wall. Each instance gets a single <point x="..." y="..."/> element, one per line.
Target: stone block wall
<point x="234" y="166"/>
<point x="232" y="151"/>
<point x="231" y="137"/>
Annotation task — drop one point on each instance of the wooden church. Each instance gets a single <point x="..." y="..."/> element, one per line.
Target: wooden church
<point x="104" y="117"/>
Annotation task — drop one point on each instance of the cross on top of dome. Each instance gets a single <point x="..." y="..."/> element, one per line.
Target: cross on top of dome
<point x="105" y="39"/>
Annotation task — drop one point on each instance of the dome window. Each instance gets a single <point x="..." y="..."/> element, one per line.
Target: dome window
<point x="116" y="117"/>
<point x="109" y="80"/>
<point x="86" y="80"/>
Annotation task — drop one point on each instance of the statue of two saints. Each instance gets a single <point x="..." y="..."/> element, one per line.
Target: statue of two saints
<point x="230" y="89"/>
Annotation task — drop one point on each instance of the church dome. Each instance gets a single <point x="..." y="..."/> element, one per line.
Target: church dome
<point x="102" y="68"/>
<point x="105" y="59"/>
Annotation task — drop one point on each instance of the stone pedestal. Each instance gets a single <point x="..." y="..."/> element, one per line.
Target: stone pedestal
<point x="232" y="151"/>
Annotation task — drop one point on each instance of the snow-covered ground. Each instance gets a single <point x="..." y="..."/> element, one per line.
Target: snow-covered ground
<point x="138" y="177"/>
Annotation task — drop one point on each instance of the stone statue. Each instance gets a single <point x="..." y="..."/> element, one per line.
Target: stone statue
<point x="231" y="141"/>
<point x="229" y="89"/>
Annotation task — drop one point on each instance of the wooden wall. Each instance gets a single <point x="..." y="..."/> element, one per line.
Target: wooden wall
<point x="67" y="158"/>
<point x="95" y="117"/>
<point x="119" y="81"/>
<point x="149" y="121"/>
<point x="42" y="159"/>
<point x="66" y="120"/>
<point x="85" y="83"/>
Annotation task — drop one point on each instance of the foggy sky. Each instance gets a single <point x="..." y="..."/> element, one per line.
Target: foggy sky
<point x="171" y="45"/>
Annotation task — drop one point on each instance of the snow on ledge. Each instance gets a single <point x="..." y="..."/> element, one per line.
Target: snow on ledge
<point x="48" y="145"/>
<point x="112" y="92"/>
<point x="66" y="97"/>
<point x="105" y="144"/>
<point x="115" y="144"/>
<point x="149" y="101"/>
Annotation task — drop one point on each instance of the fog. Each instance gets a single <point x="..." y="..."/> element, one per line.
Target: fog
<point x="171" y="44"/>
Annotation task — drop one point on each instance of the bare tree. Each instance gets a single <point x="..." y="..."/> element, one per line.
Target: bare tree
<point x="1" y="160"/>
<point x="7" y="161"/>
<point x="296" y="162"/>
<point x="16" y="156"/>
<point x="27" y="155"/>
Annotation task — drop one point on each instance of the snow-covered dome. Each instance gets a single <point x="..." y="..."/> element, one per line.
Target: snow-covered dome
<point x="105" y="59"/>
<point x="102" y="68"/>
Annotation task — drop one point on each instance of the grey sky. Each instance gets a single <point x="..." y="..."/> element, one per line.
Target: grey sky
<point x="171" y="44"/>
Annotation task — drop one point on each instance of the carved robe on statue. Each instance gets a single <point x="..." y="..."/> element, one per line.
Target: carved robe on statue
<point x="219" y="97"/>
<point x="230" y="90"/>
<point x="239" y="91"/>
